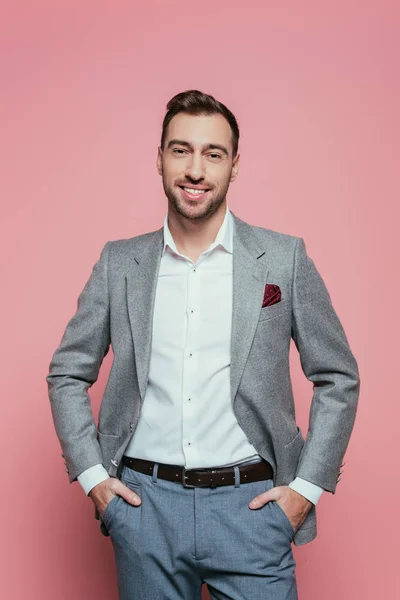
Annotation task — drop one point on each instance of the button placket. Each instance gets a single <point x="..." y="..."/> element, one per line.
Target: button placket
<point x="190" y="368"/>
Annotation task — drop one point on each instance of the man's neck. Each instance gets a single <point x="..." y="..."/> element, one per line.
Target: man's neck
<point x="192" y="237"/>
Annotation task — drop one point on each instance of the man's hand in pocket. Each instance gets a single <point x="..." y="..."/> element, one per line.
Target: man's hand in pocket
<point x="104" y="492"/>
<point x="293" y="504"/>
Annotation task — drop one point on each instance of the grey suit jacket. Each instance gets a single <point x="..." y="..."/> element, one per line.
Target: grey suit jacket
<point x="116" y="307"/>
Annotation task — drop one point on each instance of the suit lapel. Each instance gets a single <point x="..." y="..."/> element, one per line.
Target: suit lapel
<point x="250" y="271"/>
<point x="249" y="276"/>
<point x="141" y="285"/>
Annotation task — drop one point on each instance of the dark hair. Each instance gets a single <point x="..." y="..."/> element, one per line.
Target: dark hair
<point x="194" y="102"/>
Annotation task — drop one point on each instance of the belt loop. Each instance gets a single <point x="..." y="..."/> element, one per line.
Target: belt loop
<point x="237" y="476"/>
<point x="155" y="472"/>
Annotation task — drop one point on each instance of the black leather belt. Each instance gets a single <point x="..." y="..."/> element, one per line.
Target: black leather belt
<point x="202" y="477"/>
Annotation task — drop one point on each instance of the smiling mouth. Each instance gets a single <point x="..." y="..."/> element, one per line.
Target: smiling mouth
<point x="193" y="193"/>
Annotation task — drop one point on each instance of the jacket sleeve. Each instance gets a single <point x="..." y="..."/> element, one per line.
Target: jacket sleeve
<point x="326" y="360"/>
<point x="75" y="367"/>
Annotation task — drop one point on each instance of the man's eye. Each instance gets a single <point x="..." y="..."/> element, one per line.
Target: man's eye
<point x="177" y="150"/>
<point x="215" y="156"/>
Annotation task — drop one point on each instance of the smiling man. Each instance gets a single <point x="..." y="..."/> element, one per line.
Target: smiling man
<point x="196" y="174"/>
<point x="197" y="468"/>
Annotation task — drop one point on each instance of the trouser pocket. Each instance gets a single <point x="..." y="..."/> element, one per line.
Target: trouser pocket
<point x="117" y="510"/>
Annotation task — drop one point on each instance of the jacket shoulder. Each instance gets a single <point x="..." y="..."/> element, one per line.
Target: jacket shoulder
<point x="137" y="242"/>
<point x="273" y="236"/>
<point x="270" y="239"/>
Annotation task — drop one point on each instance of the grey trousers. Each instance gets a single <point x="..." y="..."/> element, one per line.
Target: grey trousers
<point x="179" y="538"/>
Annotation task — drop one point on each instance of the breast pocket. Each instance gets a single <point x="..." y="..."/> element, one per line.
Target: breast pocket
<point x="275" y="310"/>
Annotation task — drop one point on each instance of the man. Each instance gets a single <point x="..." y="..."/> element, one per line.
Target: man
<point x="198" y="471"/>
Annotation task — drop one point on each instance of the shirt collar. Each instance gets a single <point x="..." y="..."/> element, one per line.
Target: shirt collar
<point x="224" y="236"/>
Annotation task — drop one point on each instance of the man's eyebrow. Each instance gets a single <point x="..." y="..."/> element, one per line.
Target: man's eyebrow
<point x="205" y="147"/>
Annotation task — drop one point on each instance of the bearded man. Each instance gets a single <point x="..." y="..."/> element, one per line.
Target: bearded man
<point x="197" y="469"/>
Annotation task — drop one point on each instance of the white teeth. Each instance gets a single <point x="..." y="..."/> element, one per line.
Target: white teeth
<point x="196" y="192"/>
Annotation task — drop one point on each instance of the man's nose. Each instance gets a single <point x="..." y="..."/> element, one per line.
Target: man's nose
<point x="195" y="167"/>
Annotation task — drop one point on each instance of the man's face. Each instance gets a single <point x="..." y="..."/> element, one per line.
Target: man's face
<point x="196" y="164"/>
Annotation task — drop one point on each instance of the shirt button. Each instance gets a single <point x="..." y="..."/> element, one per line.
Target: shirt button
<point x="190" y="354"/>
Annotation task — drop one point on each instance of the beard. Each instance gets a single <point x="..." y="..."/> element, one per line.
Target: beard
<point x="196" y="209"/>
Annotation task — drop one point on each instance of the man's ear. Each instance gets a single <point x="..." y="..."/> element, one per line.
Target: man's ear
<point x="159" y="160"/>
<point x="235" y="167"/>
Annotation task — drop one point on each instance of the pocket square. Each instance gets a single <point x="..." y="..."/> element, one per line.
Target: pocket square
<point x="272" y="294"/>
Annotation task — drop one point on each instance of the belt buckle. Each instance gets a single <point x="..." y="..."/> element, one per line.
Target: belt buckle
<point x="184" y="477"/>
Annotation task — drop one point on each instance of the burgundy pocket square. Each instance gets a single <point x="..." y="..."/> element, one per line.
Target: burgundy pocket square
<point x="272" y="294"/>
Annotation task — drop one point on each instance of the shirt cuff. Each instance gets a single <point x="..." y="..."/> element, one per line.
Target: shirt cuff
<point x="307" y="489"/>
<point x="92" y="476"/>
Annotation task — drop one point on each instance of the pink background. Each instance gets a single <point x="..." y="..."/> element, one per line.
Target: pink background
<point x="315" y="88"/>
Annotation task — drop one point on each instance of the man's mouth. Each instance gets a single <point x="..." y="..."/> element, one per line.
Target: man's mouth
<point x="193" y="193"/>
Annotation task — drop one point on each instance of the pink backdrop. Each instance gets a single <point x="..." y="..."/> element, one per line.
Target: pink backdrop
<point x="315" y="88"/>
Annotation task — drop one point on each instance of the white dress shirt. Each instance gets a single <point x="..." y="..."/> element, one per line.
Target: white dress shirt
<point x="187" y="417"/>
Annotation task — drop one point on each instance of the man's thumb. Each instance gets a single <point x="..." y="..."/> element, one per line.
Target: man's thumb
<point x="264" y="497"/>
<point x="130" y="496"/>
